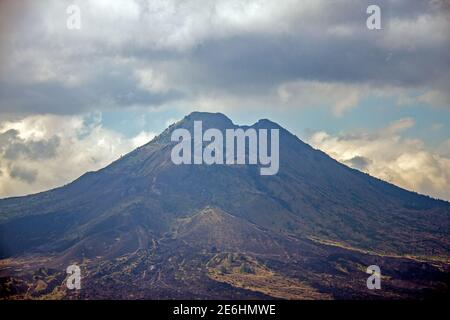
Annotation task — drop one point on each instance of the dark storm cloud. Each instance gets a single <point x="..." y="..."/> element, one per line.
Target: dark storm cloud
<point x="262" y="61"/>
<point x="105" y="90"/>
<point x="47" y="97"/>
<point x="23" y="174"/>
<point x="13" y="147"/>
<point x="313" y="52"/>
<point x="199" y="48"/>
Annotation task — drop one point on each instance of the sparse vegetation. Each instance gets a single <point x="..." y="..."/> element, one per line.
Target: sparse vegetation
<point x="245" y="268"/>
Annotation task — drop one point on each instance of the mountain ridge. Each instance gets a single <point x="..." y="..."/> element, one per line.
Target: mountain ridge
<point x="134" y="209"/>
<point x="198" y="117"/>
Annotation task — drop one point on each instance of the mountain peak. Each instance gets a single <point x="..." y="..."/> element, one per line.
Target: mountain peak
<point x="213" y="117"/>
<point x="267" y="124"/>
<point x="215" y="120"/>
<point x="209" y="120"/>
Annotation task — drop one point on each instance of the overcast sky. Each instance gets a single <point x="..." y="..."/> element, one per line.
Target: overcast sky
<point x="75" y="100"/>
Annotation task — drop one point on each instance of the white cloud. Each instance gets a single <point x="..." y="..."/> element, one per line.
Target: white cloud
<point x="421" y="32"/>
<point x="151" y="80"/>
<point x="439" y="98"/>
<point x="387" y="155"/>
<point x="398" y="126"/>
<point x="80" y="147"/>
<point x="340" y="96"/>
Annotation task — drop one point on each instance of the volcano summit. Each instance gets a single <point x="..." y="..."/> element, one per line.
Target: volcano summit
<point x="236" y="150"/>
<point x="144" y="227"/>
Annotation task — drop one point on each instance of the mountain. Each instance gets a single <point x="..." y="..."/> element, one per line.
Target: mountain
<point x="144" y="227"/>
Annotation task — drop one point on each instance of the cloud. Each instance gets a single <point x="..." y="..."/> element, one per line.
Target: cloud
<point x="358" y="162"/>
<point x="339" y="96"/>
<point x="152" y="81"/>
<point x="436" y="98"/>
<point x="388" y="155"/>
<point x="164" y="52"/>
<point x="398" y="126"/>
<point x="32" y="151"/>
<point x="13" y="147"/>
<point x="23" y="174"/>
<point x="417" y="32"/>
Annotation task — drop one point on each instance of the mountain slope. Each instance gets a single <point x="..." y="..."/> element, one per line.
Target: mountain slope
<point x="313" y="207"/>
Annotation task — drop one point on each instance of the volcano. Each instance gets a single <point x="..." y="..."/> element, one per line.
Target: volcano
<point x="145" y="228"/>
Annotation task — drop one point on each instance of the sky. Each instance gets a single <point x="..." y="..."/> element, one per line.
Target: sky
<point x="74" y="100"/>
